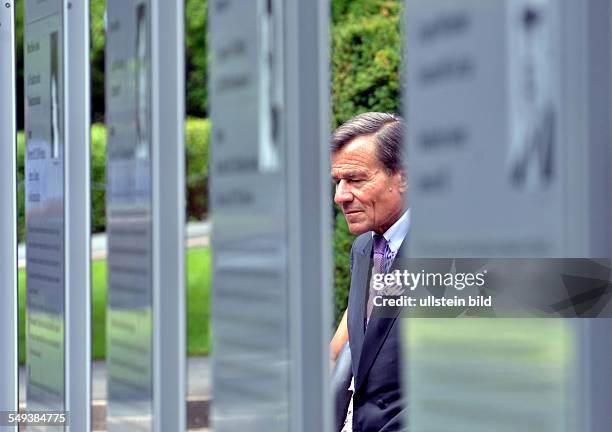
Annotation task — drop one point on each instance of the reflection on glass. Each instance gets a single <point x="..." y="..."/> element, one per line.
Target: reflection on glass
<point x="489" y="374"/>
<point x="54" y="97"/>
<point x="44" y="206"/>
<point x="142" y="84"/>
<point x="129" y="316"/>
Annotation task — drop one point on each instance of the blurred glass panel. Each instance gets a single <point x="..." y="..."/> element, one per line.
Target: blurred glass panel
<point x="129" y="318"/>
<point x="490" y="374"/>
<point x="44" y="173"/>
<point x="249" y="217"/>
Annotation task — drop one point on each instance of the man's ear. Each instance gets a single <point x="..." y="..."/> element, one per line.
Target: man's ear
<point x="403" y="183"/>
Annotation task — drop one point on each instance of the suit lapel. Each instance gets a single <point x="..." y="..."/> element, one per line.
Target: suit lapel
<point x="359" y="287"/>
<point x="375" y="335"/>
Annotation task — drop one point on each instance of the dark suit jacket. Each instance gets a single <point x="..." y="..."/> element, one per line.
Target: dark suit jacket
<point x="375" y="353"/>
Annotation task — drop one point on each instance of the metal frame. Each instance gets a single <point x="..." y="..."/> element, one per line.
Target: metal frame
<point x="168" y="171"/>
<point x="78" y="215"/>
<point x="586" y="41"/>
<point x="309" y="211"/>
<point x="586" y="124"/>
<point x="593" y="376"/>
<point x="8" y="216"/>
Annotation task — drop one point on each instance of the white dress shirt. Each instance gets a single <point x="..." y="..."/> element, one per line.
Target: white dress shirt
<point x="395" y="236"/>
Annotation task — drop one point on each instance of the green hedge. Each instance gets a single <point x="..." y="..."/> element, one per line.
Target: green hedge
<point x="366" y="55"/>
<point x="196" y="45"/>
<point x="196" y="142"/>
<point x="21" y="185"/>
<point x="343" y="10"/>
<point x="197" y="133"/>
<point x="98" y="178"/>
<point x="97" y="8"/>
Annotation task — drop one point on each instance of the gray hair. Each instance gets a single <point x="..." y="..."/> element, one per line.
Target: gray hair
<point x="387" y="130"/>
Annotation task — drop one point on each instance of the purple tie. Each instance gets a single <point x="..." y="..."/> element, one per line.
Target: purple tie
<point x="379" y="247"/>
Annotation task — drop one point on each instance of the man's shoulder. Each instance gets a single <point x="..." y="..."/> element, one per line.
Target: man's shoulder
<point x="362" y="240"/>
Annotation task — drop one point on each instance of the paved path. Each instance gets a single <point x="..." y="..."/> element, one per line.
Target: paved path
<point x="197" y="235"/>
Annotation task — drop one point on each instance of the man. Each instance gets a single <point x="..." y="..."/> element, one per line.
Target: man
<point x="371" y="190"/>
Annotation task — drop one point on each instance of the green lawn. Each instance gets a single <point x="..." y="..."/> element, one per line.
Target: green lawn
<point x="198" y="305"/>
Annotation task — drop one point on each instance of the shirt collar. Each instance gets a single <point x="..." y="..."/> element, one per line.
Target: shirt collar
<point x="396" y="234"/>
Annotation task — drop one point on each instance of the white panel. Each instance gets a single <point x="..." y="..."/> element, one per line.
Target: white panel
<point x="508" y="143"/>
<point x="58" y="327"/>
<point x="8" y="215"/>
<point x="251" y="362"/>
<point x="478" y="99"/>
<point x="146" y="341"/>
<point x="45" y="130"/>
<point x="129" y="216"/>
<point x="270" y="212"/>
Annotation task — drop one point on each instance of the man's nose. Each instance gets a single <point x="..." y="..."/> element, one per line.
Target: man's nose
<point x="343" y="193"/>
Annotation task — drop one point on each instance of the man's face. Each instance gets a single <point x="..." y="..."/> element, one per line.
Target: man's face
<point x="371" y="199"/>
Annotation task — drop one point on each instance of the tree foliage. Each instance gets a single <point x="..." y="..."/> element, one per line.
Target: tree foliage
<point x="196" y="41"/>
<point x="366" y="56"/>
<point x="97" y="10"/>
